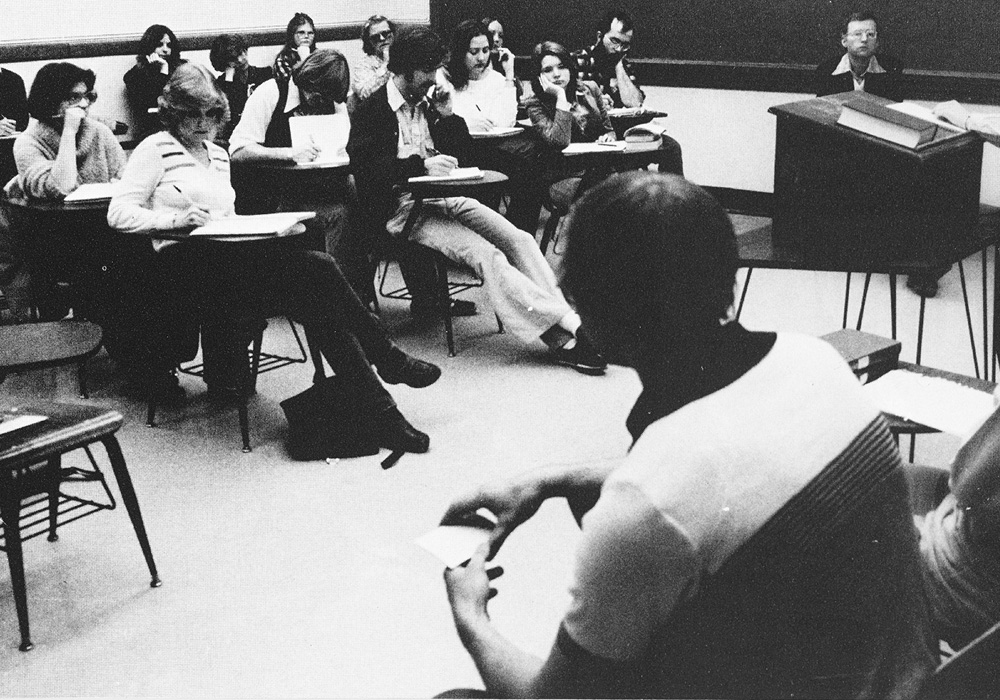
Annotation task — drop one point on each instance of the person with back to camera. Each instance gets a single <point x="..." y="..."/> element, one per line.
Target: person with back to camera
<point x="757" y="540"/>
<point x="487" y="100"/>
<point x="159" y="54"/>
<point x="407" y="128"/>
<point x="179" y="178"/>
<point x="237" y="78"/>
<point x="300" y="41"/>
<point x="371" y="73"/>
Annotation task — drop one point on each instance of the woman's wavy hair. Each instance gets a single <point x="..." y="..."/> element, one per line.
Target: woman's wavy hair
<point x="367" y="45"/>
<point x="191" y="87"/>
<point x="53" y="84"/>
<point x="463" y="35"/>
<point x="151" y="39"/>
<point x="551" y="48"/>
<point x="297" y="20"/>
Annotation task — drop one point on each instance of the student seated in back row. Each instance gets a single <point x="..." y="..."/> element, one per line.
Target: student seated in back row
<point x="398" y="133"/>
<point x="757" y="541"/>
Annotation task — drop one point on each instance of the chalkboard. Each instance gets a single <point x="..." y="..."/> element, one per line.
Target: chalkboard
<point x="64" y="20"/>
<point x="939" y="35"/>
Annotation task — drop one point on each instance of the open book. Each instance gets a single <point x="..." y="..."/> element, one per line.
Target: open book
<point x="93" y="191"/>
<point x="253" y="225"/>
<point x="496" y="132"/>
<point x="652" y="130"/>
<point x="455" y="175"/>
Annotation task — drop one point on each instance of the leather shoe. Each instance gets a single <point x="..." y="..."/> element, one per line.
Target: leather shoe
<point x="390" y="429"/>
<point x="401" y="368"/>
<point x="457" y="307"/>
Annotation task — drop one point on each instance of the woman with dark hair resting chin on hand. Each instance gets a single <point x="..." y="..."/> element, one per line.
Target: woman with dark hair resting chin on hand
<point x="179" y="178"/>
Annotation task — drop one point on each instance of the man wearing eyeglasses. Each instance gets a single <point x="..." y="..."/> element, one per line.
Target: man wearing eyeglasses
<point x="860" y="68"/>
<point x="606" y="62"/>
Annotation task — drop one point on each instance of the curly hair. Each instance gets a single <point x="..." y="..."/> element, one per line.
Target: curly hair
<point x="464" y="33"/>
<point x="192" y="87"/>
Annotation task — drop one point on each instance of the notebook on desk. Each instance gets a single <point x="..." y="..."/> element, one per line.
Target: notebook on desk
<point x="253" y="225"/>
<point x="93" y="191"/>
<point x="456" y="175"/>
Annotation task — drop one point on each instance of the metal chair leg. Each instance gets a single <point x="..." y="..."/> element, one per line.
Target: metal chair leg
<point x="968" y="318"/>
<point x="444" y="301"/>
<point x="743" y="294"/>
<point x="10" y="512"/>
<point x="127" y="490"/>
<point x="54" y="474"/>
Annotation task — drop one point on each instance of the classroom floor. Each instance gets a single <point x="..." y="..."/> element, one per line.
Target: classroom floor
<point x="296" y="579"/>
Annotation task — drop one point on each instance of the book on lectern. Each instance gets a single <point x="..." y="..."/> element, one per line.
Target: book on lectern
<point x="866" y="115"/>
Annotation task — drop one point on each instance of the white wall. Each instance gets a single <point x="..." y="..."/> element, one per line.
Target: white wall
<point x="46" y="20"/>
<point x="728" y="136"/>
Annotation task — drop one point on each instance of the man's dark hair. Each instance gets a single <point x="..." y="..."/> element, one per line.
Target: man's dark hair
<point x="367" y="45"/>
<point x="463" y="35"/>
<point x="649" y="254"/>
<point x="54" y="84"/>
<point x="325" y="71"/>
<point x="226" y="48"/>
<point x="862" y="16"/>
<point x="417" y="48"/>
<point x="616" y="14"/>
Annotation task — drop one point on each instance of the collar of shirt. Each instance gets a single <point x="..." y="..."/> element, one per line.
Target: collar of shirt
<point x="845" y="66"/>
<point x="396" y="99"/>
<point x="294" y="97"/>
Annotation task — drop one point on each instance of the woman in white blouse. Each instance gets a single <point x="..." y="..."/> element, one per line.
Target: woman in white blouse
<point x="484" y="98"/>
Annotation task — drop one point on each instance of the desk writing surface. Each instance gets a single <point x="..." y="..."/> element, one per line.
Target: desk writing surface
<point x="862" y="201"/>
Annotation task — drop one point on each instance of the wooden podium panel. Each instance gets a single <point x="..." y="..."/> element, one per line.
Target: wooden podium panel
<point x="861" y="202"/>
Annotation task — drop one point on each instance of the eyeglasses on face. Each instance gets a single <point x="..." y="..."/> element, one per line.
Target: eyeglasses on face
<point x="863" y="34"/>
<point x="381" y="36"/>
<point x="214" y="113"/>
<point x="619" y="44"/>
<point x="76" y="98"/>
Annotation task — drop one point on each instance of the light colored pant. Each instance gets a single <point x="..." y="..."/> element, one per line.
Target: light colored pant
<point x="519" y="283"/>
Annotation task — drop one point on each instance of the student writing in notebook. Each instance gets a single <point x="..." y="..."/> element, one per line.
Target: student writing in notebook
<point x="317" y="85"/>
<point x="179" y="178"/>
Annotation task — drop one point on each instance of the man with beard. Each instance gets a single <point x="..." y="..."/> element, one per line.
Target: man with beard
<point x="606" y="61"/>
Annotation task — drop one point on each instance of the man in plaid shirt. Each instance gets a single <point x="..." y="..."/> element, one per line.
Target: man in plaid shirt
<point x="606" y="64"/>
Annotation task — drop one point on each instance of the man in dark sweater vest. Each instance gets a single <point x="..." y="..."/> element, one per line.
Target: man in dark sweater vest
<point x="757" y="539"/>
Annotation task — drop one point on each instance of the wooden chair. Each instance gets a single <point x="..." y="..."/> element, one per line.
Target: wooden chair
<point x="971" y="674"/>
<point x="32" y="346"/>
<point x="31" y="474"/>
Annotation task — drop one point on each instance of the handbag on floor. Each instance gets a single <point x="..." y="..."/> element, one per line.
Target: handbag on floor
<point x="323" y="421"/>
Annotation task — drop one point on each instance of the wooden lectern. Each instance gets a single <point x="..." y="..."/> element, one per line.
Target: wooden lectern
<point x="862" y="202"/>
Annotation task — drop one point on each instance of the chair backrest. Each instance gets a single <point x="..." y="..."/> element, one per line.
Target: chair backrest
<point x="972" y="673"/>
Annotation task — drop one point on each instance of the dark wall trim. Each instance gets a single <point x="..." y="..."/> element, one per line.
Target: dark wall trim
<point x="978" y="88"/>
<point x="125" y="45"/>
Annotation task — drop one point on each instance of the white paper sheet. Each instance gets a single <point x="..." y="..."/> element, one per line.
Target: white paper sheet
<point x="328" y="132"/>
<point x="932" y="401"/>
<point x="453" y="544"/>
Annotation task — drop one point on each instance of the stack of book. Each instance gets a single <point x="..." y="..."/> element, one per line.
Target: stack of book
<point x="869" y="356"/>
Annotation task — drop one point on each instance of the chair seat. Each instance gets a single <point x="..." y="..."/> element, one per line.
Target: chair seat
<point x="30" y="346"/>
